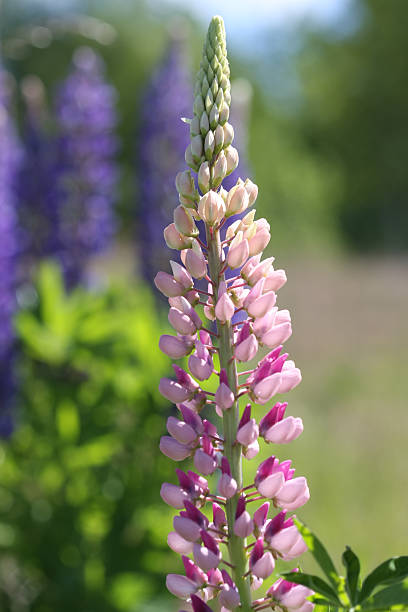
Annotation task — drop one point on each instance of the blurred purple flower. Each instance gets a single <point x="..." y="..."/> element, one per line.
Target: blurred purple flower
<point x="162" y="142"/>
<point x="87" y="172"/>
<point x="37" y="202"/>
<point x="9" y="160"/>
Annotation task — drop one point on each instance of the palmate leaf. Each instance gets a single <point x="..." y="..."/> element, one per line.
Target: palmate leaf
<point x="391" y="598"/>
<point x="319" y="553"/>
<point x="352" y="565"/>
<point x="316" y="584"/>
<point x="390" y="571"/>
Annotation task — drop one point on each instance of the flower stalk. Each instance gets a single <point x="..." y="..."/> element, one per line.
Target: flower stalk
<point x="245" y="317"/>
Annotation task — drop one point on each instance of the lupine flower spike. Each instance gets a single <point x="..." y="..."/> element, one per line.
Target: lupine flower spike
<point x="228" y="546"/>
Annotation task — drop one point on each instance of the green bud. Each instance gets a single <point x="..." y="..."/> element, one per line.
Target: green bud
<point x="219" y="100"/>
<point x="204" y="177"/>
<point x="204" y="124"/>
<point x="205" y="86"/>
<point x="214" y="117"/>
<point x="188" y="156"/>
<point x="219" y="139"/>
<point x="214" y="88"/>
<point x="196" y="148"/>
<point x="194" y="127"/>
<point x="209" y="145"/>
<point x="198" y="106"/>
<point x="209" y="101"/>
<point x="219" y="170"/>
<point x="224" y="114"/>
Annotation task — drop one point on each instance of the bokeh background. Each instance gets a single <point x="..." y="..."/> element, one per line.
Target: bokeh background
<point x="91" y="95"/>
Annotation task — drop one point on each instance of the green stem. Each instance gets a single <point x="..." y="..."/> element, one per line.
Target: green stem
<point x="232" y="451"/>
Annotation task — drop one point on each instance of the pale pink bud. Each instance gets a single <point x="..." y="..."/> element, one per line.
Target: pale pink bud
<point x="179" y="544"/>
<point x="184" y="222"/>
<point x="219" y="170"/>
<point x="252" y="191"/>
<point x="258" y="306"/>
<point x="180" y="586"/>
<point x="237" y="201"/>
<point x="224" y="309"/>
<point x="181" y="322"/>
<point x="195" y="262"/>
<point x="243" y="525"/>
<point x="211" y="208"/>
<point x="275" y="280"/>
<point x="176" y="347"/>
<point x="224" y="397"/>
<point x="282" y="316"/>
<point x="251" y="450"/>
<point x="284" y="431"/>
<point x="181" y="431"/>
<point x="262" y="325"/>
<point x="232" y="157"/>
<point x="204" y="463"/>
<point x="174" y="239"/>
<point x="181" y="275"/>
<point x="278" y="334"/>
<point x="207" y="557"/>
<point x="204" y="177"/>
<point x="187" y="528"/>
<point x="228" y="134"/>
<point x="227" y="486"/>
<point x="185" y="185"/>
<point x="173" y="495"/>
<point x="247" y="349"/>
<point x="173" y="449"/>
<point x="271" y="485"/>
<point x="267" y="388"/>
<point x="291" y="377"/>
<point x="261" y="563"/>
<point x="249" y="266"/>
<point x="261" y="238"/>
<point x="293" y="494"/>
<point x="238" y="251"/>
<point x="295" y="597"/>
<point x="259" y="271"/>
<point x="201" y="367"/>
<point x="174" y="391"/>
<point x="168" y="285"/>
<point x="229" y="597"/>
<point x="248" y="433"/>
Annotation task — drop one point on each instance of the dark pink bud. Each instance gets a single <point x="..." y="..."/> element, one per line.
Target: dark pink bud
<point x="185" y="379"/>
<point x="195" y="515"/>
<point x="276" y="524"/>
<point x="225" y="466"/>
<point x="219" y="518"/>
<point x="275" y="415"/>
<point x="246" y="415"/>
<point x="192" y="419"/>
<point x="256" y="552"/>
<point x="261" y="514"/>
<point x="193" y="572"/>
<point x="209" y="428"/>
<point x="209" y="555"/>
<point x="215" y="576"/>
<point x="229" y="597"/>
<point x="264" y="469"/>
<point x="261" y="563"/>
<point x="199" y="605"/>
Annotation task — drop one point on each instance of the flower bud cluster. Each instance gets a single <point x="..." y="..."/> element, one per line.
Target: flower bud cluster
<point x="221" y="527"/>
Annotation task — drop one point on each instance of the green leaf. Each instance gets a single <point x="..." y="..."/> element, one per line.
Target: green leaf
<point x="319" y="553"/>
<point x="315" y="583"/>
<point x="392" y="570"/>
<point x="352" y="565"/>
<point x="395" y="595"/>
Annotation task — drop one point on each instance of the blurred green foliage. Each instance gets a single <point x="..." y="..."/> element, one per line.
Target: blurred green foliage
<point x="81" y="520"/>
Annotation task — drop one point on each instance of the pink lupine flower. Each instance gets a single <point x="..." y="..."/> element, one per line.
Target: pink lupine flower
<point x="261" y="238"/>
<point x="238" y="251"/>
<point x="262" y="269"/>
<point x="269" y="479"/>
<point x="211" y="208"/>
<point x="208" y="556"/>
<point x="200" y="362"/>
<point x="176" y="347"/>
<point x="195" y="261"/>
<point x="291" y="596"/>
<point x="229" y="596"/>
<point x="247" y="429"/>
<point x="167" y="284"/>
<point x="190" y="522"/>
<point x="174" y="449"/>
<point x="244" y="525"/>
<point x="246" y="345"/>
<point x="274" y="428"/>
<point x="227" y="486"/>
<point x="179" y="544"/>
<point x="224" y="309"/>
<point x="173" y="495"/>
<point x="204" y="459"/>
<point x="174" y="391"/>
<point x="293" y="494"/>
<point x="174" y="239"/>
<point x="261" y="563"/>
<point x="181" y="275"/>
<point x="283" y="537"/>
<point x="180" y="586"/>
<point x="182" y="322"/>
<point x="260" y="519"/>
<point x="257" y="303"/>
<point x="275" y="280"/>
<point x="237" y="200"/>
<point x="291" y="377"/>
<point x="278" y="334"/>
<point x="224" y="397"/>
<point x="181" y="431"/>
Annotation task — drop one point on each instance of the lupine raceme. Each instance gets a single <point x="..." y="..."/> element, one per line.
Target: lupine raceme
<point x="230" y="537"/>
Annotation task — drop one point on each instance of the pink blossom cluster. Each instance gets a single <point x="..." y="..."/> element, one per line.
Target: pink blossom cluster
<point x="201" y="529"/>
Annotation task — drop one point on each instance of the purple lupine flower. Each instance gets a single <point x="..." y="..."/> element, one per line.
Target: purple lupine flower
<point x="251" y="291"/>
<point x="37" y="201"/>
<point x="162" y="140"/>
<point x="87" y="171"/>
<point x="9" y="161"/>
